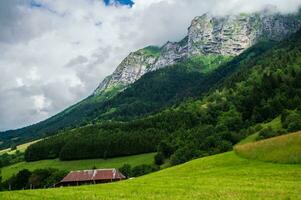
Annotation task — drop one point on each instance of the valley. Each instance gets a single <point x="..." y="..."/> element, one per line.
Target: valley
<point x="216" y="115"/>
<point x="209" y="38"/>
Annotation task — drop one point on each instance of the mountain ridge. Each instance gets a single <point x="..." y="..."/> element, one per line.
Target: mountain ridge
<point x="207" y="35"/>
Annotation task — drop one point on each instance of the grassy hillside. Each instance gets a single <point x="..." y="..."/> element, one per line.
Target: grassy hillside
<point x="223" y="176"/>
<point x="275" y="124"/>
<point x="21" y="148"/>
<point x="8" y="171"/>
<point x="281" y="149"/>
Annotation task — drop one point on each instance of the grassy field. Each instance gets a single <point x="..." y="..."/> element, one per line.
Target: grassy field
<point x="223" y="176"/>
<point x="281" y="149"/>
<point x="20" y="148"/>
<point x="79" y="164"/>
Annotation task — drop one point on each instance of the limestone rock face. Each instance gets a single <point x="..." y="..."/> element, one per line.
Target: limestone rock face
<point x="142" y="61"/>
<point x="231" y="35"/>
<point x="128" y="71"/>
<point x="171" y="53"/>
<point x="207" y="35"/>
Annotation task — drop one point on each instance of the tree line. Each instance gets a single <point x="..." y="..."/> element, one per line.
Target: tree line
<point x="39" y="178"/>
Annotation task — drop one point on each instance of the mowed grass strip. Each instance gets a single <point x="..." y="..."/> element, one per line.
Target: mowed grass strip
<point x="78" y="164"/>
<point x="224" y="176"/>
<point x="281" y="149"/>
<point x="20" y="148"/>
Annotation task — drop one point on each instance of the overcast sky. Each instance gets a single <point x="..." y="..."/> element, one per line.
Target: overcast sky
<point x="55" y="52"/>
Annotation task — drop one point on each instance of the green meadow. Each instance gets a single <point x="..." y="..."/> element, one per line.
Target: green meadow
<point x="254" y="170"/>
<point x="223" y="176"/>
<point x="78" y="164"/>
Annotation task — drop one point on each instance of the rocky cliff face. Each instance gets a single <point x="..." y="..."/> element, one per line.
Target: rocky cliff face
<point x="231" y="35"/>
<point x="129" y="70"/>
<point x="207" y="35"/>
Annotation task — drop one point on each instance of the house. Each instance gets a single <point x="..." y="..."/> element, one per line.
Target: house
<point x="91" y="177"/>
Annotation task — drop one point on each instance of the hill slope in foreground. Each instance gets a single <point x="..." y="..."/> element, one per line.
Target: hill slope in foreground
<point x="223" y="176"/>
<point x="281" y="149"/>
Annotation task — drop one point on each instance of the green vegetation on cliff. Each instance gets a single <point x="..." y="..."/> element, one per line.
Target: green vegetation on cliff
<point x="153" y="51"/>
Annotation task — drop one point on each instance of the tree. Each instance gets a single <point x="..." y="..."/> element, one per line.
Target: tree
<point x="13" y="147"/>
<point x="126" y="170"/>
<point x="231" y="119"/>
<point x="291" y="120"/>
<point x="20" y="181"/>
<point x="55" y="177"/>
<point x="184" y="154"/>
<point x="165" y="149"/>
<point x="39" y="177"/>
<point x="159" y="158"/>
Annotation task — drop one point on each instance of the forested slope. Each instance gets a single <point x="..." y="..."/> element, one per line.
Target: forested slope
<point x="109" y="139"/>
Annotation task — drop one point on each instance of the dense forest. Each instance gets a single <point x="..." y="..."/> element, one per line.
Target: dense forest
<point x="264" y="86"/>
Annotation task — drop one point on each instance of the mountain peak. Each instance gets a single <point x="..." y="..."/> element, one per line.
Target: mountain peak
<point x="208" y="34"/>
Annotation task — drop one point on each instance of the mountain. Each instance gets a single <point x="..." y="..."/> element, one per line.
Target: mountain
<point x="259" y="85"/>
<point x="207" y="35"/>
<point x="211" y="41"/>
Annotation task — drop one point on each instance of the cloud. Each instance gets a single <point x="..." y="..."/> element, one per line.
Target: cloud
<point x="55" y="52"/>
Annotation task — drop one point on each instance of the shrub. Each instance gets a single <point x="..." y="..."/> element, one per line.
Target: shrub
<point x="294" y="125"/>
<point x="159" y="158"/>
<point x="291" y="120"/>
<point x="266" y="133"/>
<point x="126" y="170"/>
<point x="144" y="169"/>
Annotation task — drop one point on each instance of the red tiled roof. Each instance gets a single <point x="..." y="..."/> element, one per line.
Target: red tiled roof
<point x="93" y="175"/>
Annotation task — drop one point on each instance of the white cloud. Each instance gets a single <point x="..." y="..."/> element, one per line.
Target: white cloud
<point x="54" y="55"/>
<point x="20" y="82"/>
<point x="40" y="103"/>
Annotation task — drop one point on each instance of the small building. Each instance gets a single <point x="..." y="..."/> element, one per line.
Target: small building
<point x="95" y="176"/>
